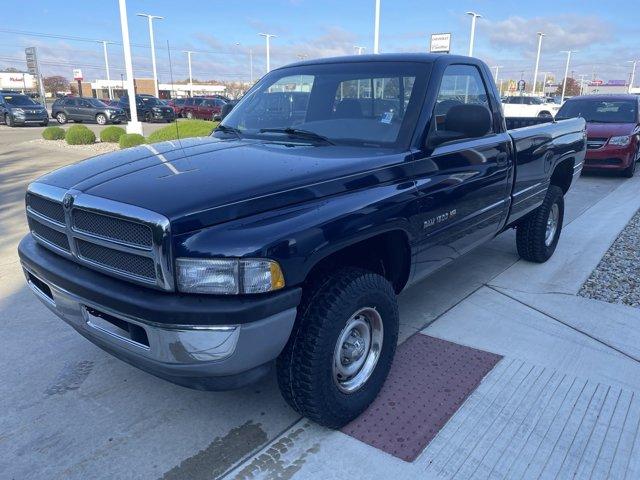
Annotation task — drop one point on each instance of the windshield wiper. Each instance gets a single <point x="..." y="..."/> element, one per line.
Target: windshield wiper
<point x="227" y="129"/>
<point x="297" y="132"/>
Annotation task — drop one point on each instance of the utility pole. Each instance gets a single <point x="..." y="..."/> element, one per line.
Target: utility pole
<point x="376" y="29"/>
<point x="133" y="126"/>
<point x="566" y="72"/>
<point x="495" y="77"/>
<point x="582" y="77"/>
<point x="268" y="37"/>
<point x="474" y="17"/>
<point x="633" y="74"/>
<point x="106" y="66"/>
<point x="535" y="72"/>
<point x="150" y="19"/>
<point x="189" y="52"/>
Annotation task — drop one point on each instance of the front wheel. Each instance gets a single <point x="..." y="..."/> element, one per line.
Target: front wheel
<point x="190" y="115"/>
<point x="101" y="119"/>
<point x="341" y="348"/>
<point x="538" y="233"/>
<point x="631" y="169"/>
<point x="8" y="121"/>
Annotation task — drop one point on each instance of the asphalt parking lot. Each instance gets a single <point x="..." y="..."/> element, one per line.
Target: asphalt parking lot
<point x="72" y="411"/>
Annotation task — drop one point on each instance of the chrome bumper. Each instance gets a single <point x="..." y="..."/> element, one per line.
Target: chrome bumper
<point x="178" y="353"/>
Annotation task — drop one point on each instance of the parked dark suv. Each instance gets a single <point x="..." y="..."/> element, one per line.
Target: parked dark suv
<point x="86" y="110"/>
<point x="150" y="109"/>
<point x="18" y="109"/>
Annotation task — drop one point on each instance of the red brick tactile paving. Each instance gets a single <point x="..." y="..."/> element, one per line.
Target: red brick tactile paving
<point x="429" y="380"/>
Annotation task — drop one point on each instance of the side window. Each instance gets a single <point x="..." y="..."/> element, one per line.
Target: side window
<point x="462" y="106"/>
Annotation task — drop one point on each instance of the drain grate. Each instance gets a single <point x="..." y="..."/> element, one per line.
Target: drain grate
<point x="429" y="380"/>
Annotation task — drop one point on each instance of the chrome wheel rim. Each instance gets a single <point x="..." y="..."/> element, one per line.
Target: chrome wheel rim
<point x="552" y="224"/>
<point x="61" y="118"/>
<point x="357" y="350"/>
<point x="102" y="120"/>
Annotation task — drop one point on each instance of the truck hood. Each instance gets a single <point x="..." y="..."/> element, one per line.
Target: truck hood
<point x="200" y="182"/>
<point x="606" y="130"/>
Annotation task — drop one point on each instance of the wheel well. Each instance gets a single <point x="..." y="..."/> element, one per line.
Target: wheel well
<point x="387" y="254"/>
<point x="563" y="174"/>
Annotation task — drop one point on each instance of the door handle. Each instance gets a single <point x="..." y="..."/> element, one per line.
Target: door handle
<point x="502" y="159"/>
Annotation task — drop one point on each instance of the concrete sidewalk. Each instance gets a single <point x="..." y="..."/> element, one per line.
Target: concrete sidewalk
<point x="563" y="402"/>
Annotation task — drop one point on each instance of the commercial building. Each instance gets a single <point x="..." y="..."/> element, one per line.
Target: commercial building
<point x="100" y="88"/>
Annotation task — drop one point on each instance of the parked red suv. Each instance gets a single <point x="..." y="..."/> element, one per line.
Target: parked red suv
<point x="204" y="108"/>
<point x="613" y="130"/>
<point x="177" y="104"/>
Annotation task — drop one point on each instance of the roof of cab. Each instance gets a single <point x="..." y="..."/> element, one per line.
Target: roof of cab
<point x="383" y="57"/>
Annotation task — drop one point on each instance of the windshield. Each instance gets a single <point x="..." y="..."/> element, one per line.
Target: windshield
<point x="18" y="100"/>
<point x="150" y="101"/>
<point x="365" y="104"/>
<point x="600" y="111"/>
<point x="96" y="103"/>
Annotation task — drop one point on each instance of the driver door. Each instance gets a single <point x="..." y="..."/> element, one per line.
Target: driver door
<point x="464" y="183"/>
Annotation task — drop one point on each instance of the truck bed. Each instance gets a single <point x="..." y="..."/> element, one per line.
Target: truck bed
<point x="539" y="145"/>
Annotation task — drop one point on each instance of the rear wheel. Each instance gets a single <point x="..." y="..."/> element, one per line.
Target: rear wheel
<point x="631" y="169"/>
<point x="538" y="233"/>
<point x="545" y="114"/>
<point x="101" y="119"/>
<point x="340" y="351"/>
<point x="190" y="115"/>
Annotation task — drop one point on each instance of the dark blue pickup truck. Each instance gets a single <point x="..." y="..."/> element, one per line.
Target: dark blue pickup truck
<point x="285" y="237"/>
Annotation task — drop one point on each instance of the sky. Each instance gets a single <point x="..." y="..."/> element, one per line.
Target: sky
<point x="606" y="34"/>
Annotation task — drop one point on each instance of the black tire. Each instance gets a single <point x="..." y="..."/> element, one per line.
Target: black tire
<point x="305" y="367"/>
<point x="44" y="124"/>
<point x="61" y="118"/>
<point x="531" y="232"/>
<point x="545" y="114"/>
<point x="8" y="121"/>
<point x="630" y="171"/>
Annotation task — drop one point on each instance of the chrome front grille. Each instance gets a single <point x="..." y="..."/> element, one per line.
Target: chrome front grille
<point x="595" y="143"/>
<point x="122" y="262"/>
<point x="112" y="228"/>
<point x="114" y="238"/>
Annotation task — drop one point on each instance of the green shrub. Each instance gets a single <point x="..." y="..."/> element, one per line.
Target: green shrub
<point x="53" y="133"/>
<point x="80" y="135"/>
<point x="131" y="140"/>
<point x="112" y="134"/>
<point x="186" y="129"/>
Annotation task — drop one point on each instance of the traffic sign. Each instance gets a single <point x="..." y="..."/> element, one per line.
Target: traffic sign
<point x="440" y="43"/>
<point x="77" y="74"/>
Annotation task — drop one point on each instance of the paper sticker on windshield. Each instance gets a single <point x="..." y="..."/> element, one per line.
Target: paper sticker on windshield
<point x="386" y="117"/>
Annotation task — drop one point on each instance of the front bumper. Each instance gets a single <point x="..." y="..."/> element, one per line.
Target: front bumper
<point x="162" y="116"/>
<point x="216" y="355"/>
<point x="609" y="158"/>
<point x="29" y="118"/>
<point x="117" y="117"/>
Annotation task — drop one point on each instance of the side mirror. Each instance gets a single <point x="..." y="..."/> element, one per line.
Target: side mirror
<point x="462" y="121"/>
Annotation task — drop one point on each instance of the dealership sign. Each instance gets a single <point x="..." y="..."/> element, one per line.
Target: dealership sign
<point x="440" y="43"/>
<point x="77" y="74"/>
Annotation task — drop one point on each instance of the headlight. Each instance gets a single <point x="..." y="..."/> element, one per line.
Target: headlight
<point x="622" y="141"/>
<point x="228" y="276"/>
<point x="19" y="111"/>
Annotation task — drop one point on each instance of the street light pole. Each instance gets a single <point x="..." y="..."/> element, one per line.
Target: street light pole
<point x="535" y="72"/>
<point x="358" y="49"/>
<point x="267" y="37"/>
<point x="133" y="126"/>
<point x="495" y="77"/>
<point x="189" y="52"/>
<point x="633" y="74"/>
<point x="106" y="66"/>
<point x="566" y="72"/>
<point x="150" y="19"/>
<point x="376" y="29"/>
<point x="474" y="17"/>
